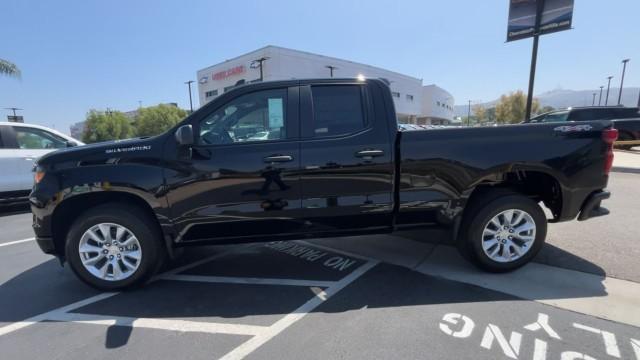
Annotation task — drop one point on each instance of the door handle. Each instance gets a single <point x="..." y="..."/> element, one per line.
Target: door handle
<point x="278" y="158"/>
<point x="368" y="154"/>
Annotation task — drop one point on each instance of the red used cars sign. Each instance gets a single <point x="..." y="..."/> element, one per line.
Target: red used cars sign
<point x="229" y="72"/>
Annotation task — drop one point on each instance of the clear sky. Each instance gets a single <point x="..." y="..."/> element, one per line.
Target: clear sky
<point x="84" y="54"/>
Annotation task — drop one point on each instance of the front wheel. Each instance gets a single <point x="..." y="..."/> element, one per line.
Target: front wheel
<point x="113" y="247"/>
<point x="502" y="233"/>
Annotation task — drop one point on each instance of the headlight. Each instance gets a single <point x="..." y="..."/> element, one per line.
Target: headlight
<point x="38" y="175"/>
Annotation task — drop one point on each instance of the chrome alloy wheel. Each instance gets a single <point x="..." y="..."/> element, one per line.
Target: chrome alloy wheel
<point x="508" y="235"/>
<point x="110" y="251"/>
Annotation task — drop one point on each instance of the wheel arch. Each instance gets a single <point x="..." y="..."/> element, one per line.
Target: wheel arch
<point x="538" y="185"/>
<point x="68" y="211"/>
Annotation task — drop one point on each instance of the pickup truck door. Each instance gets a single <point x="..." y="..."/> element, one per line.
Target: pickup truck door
<point x="347" y="160"/>
<point x="241" y="179"/>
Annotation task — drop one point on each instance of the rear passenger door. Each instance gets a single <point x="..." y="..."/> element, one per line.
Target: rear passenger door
<point x="347" y="164"/>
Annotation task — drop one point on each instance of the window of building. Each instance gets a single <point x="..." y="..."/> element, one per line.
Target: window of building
<point x="337" y="110"/>
<point x="395" y="94"/>
<point x="258" y="116"/>
<point x="438" y="102"/>
<point x="227" y="88"/>
<point x="32" y="138"/>
<point x="409" y="97"/>
<point x="211" y="93"/>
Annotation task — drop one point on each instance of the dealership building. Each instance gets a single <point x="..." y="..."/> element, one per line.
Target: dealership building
<point x="414" y="102"/>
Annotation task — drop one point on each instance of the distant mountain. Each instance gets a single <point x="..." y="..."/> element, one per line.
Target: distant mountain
<point x="561" y="98"/>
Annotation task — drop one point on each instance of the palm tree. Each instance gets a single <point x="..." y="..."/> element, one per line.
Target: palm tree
<point x="8" y="68"/>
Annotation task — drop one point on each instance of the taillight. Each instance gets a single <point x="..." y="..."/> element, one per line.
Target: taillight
<point x="609" y="136"/>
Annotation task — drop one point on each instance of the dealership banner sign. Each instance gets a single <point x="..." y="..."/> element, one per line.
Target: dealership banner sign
<point x="556" y="16"/>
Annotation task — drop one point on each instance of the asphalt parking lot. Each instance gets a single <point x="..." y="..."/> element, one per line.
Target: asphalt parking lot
<point x="401" y="296"/>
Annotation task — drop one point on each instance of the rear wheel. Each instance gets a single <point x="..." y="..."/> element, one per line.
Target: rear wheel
<point x="112" y="247"/>
<point x="625" y="137"/>
<point x="502" y="232"/>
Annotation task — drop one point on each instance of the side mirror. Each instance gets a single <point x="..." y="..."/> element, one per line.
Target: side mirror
<point x="71" y="143"/>
<point x="184" y="135"/>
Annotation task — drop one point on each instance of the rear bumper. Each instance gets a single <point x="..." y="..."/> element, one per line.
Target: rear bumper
<point x="591" y="207"/>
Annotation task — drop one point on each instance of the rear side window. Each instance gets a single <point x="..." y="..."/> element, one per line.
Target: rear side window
<point x="594" y="114"/>
<point x="337" y="110"/>
<point x="623" y="113"/>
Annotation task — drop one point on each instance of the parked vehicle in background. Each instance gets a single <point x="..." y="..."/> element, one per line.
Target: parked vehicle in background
<point x="336" y="166"/>
<point x="20" y="146"/>
<point x="625" y="119"/>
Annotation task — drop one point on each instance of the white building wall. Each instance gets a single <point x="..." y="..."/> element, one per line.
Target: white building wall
<point x="437" y="103"/>
<point x="285" y="64"/>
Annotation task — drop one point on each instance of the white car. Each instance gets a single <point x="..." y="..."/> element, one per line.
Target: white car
<point x="20" y="146"/>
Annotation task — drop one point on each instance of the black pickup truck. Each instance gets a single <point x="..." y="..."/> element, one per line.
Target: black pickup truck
<point x="625" y="119"/>
<point x="312" y="158"/>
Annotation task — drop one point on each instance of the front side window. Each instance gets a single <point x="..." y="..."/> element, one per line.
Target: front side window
<point x="337" y="110"/>
<point x="32" y="138"/>
<point x="258" y="116"/>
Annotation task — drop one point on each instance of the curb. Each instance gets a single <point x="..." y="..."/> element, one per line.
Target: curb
<point x="623" y="169"/>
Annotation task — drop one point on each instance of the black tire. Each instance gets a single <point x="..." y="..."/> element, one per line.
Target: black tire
<point x="478" y="215"/>
<point x="141" y="224"/>
<point x="625" y="137"/>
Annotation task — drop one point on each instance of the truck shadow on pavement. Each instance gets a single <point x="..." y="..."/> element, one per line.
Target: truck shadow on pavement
<point x="216" y="299"/>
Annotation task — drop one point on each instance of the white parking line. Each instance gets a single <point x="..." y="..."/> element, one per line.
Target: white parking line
<point x="45" y="316"/>
<point x="255" y="342"/>
<point x="247" y="280"/>
<point x="260" y="334"/>
<point x="16" y="242"/>
<point x="30" y="321"/>
<point x="160" y="324"/>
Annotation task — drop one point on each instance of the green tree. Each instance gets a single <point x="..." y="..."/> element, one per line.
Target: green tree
<point x="8" y="68"/>
<point x="479" y="113"/>
<point x="155" y="120"/>
<point x="101" y="126"/>
<point x="491" y="114"/>
<point x="511" y="108"/>
<point x="546" y="109"/>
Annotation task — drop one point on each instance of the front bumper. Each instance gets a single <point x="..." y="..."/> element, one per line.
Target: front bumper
<point x="46" y="245"/>
<point x="591" y="207"/>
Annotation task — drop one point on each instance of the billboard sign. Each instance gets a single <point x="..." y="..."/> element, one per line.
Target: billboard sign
<point x="556" y="16"/>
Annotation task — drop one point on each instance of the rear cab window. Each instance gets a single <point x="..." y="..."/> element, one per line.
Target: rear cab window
<point x="337" y="110"/>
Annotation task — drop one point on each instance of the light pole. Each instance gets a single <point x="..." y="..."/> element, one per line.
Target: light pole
<point x="606" y="99"/>
<point x="600" y="97"/>
<point x="190" y="101"/>
<point x="257" y="64"/>
<point x="624" y="67"/>
<point x="469" y="114"/>
<point x="13" y="109"/>
<point x="593" y="102"/>
<point x="331" y="68"/>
